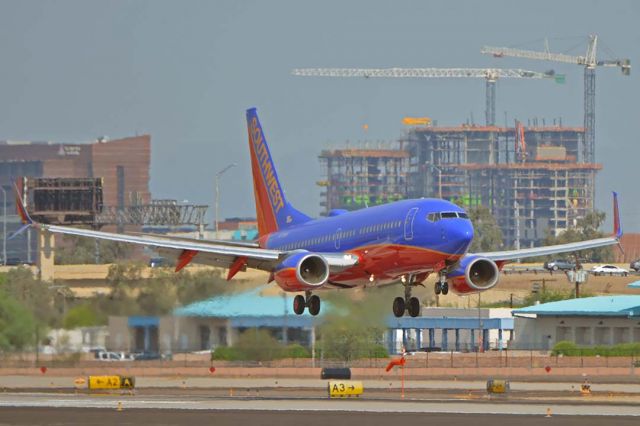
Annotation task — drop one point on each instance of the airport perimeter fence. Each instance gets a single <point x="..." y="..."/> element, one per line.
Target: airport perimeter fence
<point x="431" y="360"/>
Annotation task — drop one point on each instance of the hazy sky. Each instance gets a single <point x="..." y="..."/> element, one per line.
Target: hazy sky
<point x="185" y="71"/>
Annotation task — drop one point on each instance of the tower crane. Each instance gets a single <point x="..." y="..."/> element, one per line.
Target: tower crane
<point x="589" y="62"/>
<point x="491" y="75"/>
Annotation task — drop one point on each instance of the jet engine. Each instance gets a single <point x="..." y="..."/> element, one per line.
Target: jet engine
<point x="302" y="271"/>
<point x="473" y="275"/>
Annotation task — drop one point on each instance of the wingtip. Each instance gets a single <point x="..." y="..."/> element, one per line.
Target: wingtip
<point x="617" y="224"/>
<point x="22" y="211"/>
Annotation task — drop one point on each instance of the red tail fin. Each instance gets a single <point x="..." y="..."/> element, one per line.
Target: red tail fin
<point x="272" y="209"/>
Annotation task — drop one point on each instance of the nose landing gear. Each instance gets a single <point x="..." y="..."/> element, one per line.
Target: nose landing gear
<point x="309" y="300"/>
<point x="442" y="286"/>
<point x="408" y="303"/>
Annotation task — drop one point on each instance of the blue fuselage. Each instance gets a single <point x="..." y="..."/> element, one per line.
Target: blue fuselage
<point x="421" y="231"/>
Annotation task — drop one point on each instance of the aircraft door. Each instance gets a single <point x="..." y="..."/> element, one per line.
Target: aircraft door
<point x="408" y="223"/>
<point x="337" y="238"/>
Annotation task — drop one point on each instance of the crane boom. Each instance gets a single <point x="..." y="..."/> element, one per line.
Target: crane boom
<point x="589" y="62"/>
<point x="491" y="75"/>
<point x="532" y="54"/>
<point x="487" y="73"/>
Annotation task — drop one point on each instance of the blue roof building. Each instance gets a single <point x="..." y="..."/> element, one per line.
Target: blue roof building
<point x="601" y="320"/>
<point x="635" y="284"/>
<point x="610" y="306"/>
<point x="252" y="309"/>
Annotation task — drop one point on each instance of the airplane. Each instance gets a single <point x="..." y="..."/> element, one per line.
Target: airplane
<point x="400" y="242"/>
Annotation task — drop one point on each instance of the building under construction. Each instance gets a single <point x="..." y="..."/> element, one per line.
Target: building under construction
<point x="535" y="180"/>
<point x="357" y="178"/>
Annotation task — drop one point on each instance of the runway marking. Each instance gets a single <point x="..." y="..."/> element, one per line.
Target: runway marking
<point x="84" y="401"/>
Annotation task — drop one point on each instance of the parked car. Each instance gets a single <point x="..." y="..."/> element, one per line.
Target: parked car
<point x="110" y="356"/>
<point x="156" y="262"/>
<point x="96" y="351"/>
<point x="559" y="264"/>
<point x="609" y="270"/>
<point x="147" y="356"/>
<point x="635" y="265"/>
<point x="16" y="261"/>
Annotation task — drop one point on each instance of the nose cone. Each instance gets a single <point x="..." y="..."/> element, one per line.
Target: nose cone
<point x="460" y="234"/>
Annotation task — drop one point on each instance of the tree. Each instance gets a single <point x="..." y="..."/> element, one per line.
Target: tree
<point x="487" y="233"/>
<point x="17" y="324"/>
<point x="76" y="250"/>
<point x="159" y="294"/>
<point x="587" y="228"/>
<point x="36" y="296"/>
<point x="355" y="328"/>
<point x="258" y="345"/>
<point x="83" y="315"/>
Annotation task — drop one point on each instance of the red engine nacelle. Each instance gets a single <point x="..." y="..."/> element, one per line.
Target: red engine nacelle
<point x="473" y="275"/>
<point x="302" y="271"/>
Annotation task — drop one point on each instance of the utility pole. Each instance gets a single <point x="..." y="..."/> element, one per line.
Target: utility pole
<point x="4" y="225"/>
<point x="220" y="173"/>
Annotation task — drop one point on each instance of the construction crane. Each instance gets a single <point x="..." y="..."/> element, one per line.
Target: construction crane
<point x="491" y="75"/>
<point x="589" y="62"/>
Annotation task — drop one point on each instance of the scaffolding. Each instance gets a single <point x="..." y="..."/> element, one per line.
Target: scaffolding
<point x="357" y="178"/>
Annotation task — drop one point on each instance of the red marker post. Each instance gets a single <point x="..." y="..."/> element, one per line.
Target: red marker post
<point x="399" y="362"/>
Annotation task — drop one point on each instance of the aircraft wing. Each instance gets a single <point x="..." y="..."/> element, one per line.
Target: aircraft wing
<point x="201" y="251"/>
<point x="509" y="255"/>
<point x="236" y="256"/>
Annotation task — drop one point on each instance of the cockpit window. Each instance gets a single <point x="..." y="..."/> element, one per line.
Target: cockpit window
<point x="434" y="217"/>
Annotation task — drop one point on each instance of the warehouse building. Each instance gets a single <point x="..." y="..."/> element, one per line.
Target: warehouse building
<point x="590" y="321"/>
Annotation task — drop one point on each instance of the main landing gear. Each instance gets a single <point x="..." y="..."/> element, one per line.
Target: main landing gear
<point x="442" y="286"/>
<point x="309" y="300"/>
<point x="408" y="303"/>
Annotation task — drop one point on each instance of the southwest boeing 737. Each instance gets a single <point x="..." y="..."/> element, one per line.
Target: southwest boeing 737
<point x="401" y="242"/>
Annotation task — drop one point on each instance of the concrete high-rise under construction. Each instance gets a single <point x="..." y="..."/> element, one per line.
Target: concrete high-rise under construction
<point x="536" y="180"/>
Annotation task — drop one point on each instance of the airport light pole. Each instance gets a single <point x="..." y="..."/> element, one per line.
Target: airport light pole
<point x="4" y="225"/>
<point x="220" y="173"/>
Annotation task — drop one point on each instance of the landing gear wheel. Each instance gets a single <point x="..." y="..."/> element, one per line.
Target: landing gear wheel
<point x="414" y="307"/>
<point x="398" y="307"/>
<point x="299" y="304"/>
<point x="314" y="305"/>
<point x="445" y="288"/>
<point x="438" y="288"/>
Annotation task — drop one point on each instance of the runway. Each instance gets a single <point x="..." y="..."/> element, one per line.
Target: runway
<point x="101" y="416"/>
<point x="189" y="402"/>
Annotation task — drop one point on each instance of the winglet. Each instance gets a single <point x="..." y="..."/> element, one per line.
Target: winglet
<point x="22" y="212"/>
<point x="617" y="225"/>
